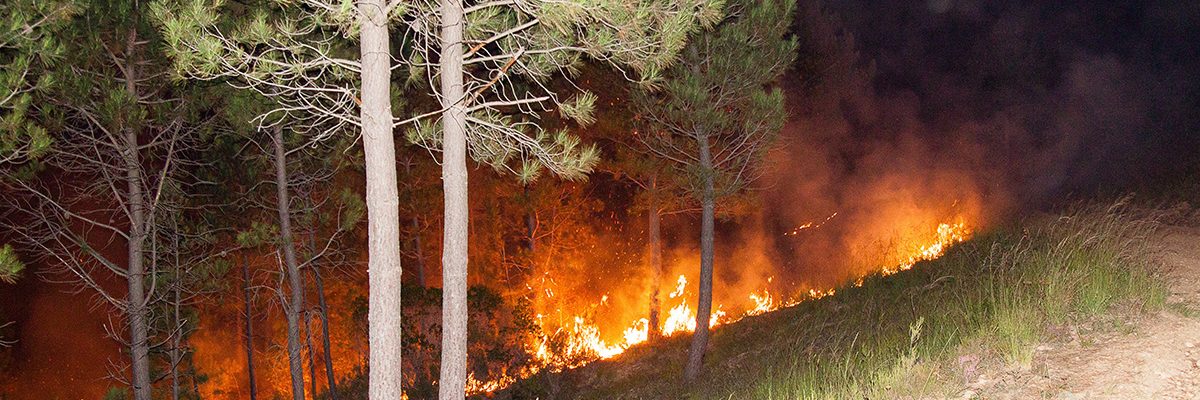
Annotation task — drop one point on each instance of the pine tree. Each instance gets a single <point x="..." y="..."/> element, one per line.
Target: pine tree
<point x="716" y="116"/>
<point x="296" y="211"/>
<point x="121" y="141"/>
<point x="11" y="269"/>
<point x="30" y="48"/>
<point x="300" y="54"/>
<point x="493" y="62"/>
<point x="294" y="53"/>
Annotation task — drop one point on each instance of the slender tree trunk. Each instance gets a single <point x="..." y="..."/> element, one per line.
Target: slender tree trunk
<point x="139" y="346"/>
<point x="176" y="357"/>
<point x="249" y="334"/>
<point x="192" y="373"/>
<point x="704" y="308"/>
<point x="329" y="376"/>
<point x="312" y="361"/>
<point x="295" y="305"/>
<point x="653" y="230"/>
<point x="451" y="385"/>
<point x="419" y="255"/>
<point x="419" y="362"/>
<point x="383" y="208"/>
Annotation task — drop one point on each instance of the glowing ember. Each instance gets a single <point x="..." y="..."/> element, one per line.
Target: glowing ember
<point x="580" y="342"/>
<point x="809" y="225"/>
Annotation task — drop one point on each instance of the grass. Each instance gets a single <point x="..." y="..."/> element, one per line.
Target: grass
<point x="921" y="333"/>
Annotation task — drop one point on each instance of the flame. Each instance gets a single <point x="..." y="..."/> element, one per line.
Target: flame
<point x="762" y="303"/>
<point x="809" y="225"/>
<point x="682" y="283"/>
<point x="582" y="342"/>
<point x="947" y="235"/>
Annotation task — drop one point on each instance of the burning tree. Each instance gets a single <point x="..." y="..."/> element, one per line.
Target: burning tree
<point x="715" y="117"/>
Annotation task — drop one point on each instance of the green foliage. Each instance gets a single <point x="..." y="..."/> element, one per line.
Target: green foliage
<point x="115" y="393"/>
<point x="259" y="234"/>
<point x="10" y="266"/>
<point x="581" y="108"/>
<point x="517" y="51"/>
<point x="721" y="94"/>
<point x="352" y="209"/>
<point x="295" y="54"/>
<point x="30" y="46"/>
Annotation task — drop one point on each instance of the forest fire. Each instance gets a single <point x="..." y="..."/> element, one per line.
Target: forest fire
<point x="417" y="199"/>
<point x="582" y="342"/>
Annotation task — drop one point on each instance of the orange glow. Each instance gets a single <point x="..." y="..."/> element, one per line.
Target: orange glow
<point x="582" y="340"/>
<point x="570" y="331"/>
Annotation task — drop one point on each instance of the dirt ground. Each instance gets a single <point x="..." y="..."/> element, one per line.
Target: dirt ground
<point x="1155" y="357"/>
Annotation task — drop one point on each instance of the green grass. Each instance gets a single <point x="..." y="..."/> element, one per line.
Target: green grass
<point x="919" y="333"/>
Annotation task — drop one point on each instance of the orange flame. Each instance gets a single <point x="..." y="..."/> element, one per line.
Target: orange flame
<point x="583" y="342"/>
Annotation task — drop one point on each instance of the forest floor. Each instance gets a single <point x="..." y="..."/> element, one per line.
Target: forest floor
<point x="1154" y="356"/>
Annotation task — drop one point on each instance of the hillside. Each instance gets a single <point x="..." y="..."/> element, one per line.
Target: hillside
<point x="1046" y="308"/>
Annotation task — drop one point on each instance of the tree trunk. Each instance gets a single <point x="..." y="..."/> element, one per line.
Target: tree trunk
<point x="383" y="204"/>
<point x="139" y="346"/>
<point x="418" y="254"/>
<point x="704" y="308"/>
<point x="249" y="330"/>
<point x="312" y="361"/>
<point x="653" y="230"/>
<point x="295" y="305"/>
<point x="452" y="383"/>
<point x="325" y="335"/>
<point x="192" y="374"/>
<point x="176" y="338"/>
<point x="419" y="362"/>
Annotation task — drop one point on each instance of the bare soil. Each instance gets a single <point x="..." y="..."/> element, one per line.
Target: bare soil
<point x="1148" y="357"/>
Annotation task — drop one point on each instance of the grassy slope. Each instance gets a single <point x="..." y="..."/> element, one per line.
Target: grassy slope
<point x="911" y="335"/>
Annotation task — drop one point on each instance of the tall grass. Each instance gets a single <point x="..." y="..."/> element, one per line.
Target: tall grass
<point x="989" y="301"/>
<point x="923" y="332"/>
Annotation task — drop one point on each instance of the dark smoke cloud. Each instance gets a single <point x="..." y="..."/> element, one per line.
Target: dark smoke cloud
<point x="910" y="112"/>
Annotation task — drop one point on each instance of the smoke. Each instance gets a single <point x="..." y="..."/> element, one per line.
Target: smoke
<point x="910" y="114"/>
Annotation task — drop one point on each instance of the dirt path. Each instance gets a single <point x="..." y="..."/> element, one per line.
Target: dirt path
<point x="1157" y="357"/>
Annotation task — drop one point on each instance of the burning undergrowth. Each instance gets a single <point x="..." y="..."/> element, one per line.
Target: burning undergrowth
<point x="568" y="333"/>
<point x="899" y="335"/>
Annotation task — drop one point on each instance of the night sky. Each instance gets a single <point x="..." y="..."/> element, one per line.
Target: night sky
<point x="1047" y="97"/>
